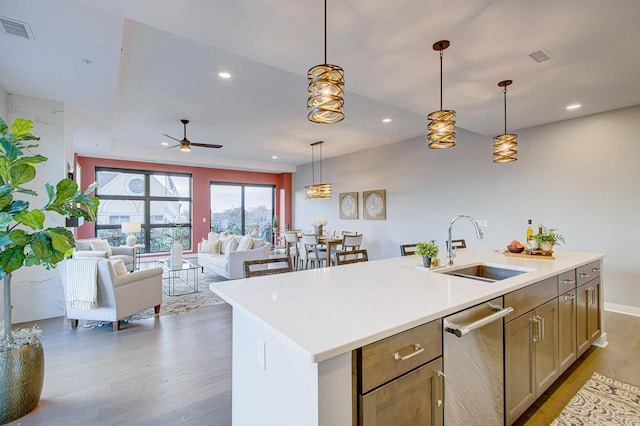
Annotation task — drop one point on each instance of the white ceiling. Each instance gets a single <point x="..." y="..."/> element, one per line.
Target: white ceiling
<point x="156" y="61"/>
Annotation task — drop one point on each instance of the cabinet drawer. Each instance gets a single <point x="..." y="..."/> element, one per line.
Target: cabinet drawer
<point x="414" y="399"/>
<point x="530" y="297"/>
<point x="588" y="272"/>
<point x="389" y="358"/>
<point x="566" y="281"/>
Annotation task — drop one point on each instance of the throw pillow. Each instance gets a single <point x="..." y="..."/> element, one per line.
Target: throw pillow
<point x="213" y="236"/>
<point x="101" y="245"/>
<point x="245" y="243"/>
<point x="119" y="267"/>
<point x="230" y="246"/>
<point x="211" y="246"/>
<point x="223" y="243"/>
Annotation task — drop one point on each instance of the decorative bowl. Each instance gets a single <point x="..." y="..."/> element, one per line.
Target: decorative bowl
<point x="513" y="249"/>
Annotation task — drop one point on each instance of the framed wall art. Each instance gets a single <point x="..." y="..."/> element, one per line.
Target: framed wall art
<point x="374" y="204"/>
<point x="348" y="205"/>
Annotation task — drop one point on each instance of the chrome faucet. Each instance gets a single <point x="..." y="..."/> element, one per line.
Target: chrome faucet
<point x="450" y="252"/>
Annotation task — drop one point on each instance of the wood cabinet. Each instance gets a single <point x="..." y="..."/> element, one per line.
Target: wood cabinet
<point x="399" y="380"/>
<point x="531" y="356"/>
<point x="588" y="306"/>
<point x="415" y="398"/>
<point x="567" y="337"/>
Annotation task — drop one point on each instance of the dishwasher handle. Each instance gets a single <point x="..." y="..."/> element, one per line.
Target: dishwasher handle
<point x="463" y="330"/>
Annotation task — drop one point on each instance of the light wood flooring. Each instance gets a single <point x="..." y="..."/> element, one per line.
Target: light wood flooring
<point x="177" y="370"/>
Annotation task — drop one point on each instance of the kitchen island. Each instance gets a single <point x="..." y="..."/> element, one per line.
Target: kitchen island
<point x="294" y="333"/>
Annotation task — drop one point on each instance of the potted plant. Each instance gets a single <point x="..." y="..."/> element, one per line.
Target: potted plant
<point x="548" y="238"/>
<point x="428" y="251"/>
<point x="177" y="239"/>
<point x="25" y="241"/>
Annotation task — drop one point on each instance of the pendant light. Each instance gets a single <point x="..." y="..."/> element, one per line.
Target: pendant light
<point x="325" y="101"/>
<point x="442" y="123"/>
<point x="317" y="191"/>
<point x="505" y="146"/>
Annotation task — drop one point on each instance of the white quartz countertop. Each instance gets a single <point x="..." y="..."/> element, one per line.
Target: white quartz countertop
<point x="326" y="312"/>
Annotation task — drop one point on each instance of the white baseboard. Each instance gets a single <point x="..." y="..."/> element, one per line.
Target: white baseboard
<point x="622" y="309"/>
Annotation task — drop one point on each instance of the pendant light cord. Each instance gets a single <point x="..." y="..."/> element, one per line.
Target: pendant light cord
<point x="325" y="32"/>
<point x="321" y="159"/>
<point x="441" y="54"/>
<point x="505" y="109"/>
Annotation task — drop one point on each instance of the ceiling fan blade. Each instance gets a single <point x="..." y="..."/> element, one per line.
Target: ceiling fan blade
<point x="171" y="137"/>
<point x="205" y="145"/>
<point x="172" y="146"/>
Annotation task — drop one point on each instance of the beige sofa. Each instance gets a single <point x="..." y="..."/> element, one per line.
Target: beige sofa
<point x="228" y="258"/>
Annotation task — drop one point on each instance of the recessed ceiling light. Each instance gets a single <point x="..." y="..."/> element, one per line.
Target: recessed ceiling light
<point x="87" y="61"/>
<point x="164" y="143"/>
<point x="386" y="120"/>
<point x="573" y="107"/>
<point x="224" y="74"/>
<point x="275" y="157"/>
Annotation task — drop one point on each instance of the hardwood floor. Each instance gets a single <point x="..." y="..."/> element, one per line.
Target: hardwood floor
<point x="177" y="370"/>
<point x="171" y="370"/>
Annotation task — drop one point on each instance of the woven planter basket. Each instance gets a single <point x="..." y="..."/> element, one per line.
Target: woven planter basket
<point x="21" y="379"/>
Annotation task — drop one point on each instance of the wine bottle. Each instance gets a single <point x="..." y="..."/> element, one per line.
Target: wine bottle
<point x="529" y="232"/>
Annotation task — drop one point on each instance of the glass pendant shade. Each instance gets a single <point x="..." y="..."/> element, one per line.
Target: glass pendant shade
<point x="505" y="146"/>
<point x="442" y="124"/>
<point x="325" y="91"/>
<point x="442" y="129"/>
<point x="325" y="102"/>
<point x="317" y="191"/>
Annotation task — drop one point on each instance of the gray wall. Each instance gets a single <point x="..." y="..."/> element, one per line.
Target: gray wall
<point x="579" y="176"/>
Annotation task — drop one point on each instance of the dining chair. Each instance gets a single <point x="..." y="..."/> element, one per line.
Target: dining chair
<point x="312" y="252"/>
<point x="348" y="233"/>
<point x="349" y="243"/>
<point x="352" y="256"/>
<point x="293" y="247"/>
<point x="456" y="244"/>
<point x="270" y="266"/>
<point x="408" y="249"/>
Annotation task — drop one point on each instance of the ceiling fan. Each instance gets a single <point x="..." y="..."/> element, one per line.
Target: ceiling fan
<point x="185" y="144"/>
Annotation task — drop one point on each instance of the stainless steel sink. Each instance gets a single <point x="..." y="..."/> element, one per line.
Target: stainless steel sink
<point x="482" y="272"/>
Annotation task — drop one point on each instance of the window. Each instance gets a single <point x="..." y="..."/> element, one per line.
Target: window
<point x="158" y="200"/>
<point x="242" y="209"/>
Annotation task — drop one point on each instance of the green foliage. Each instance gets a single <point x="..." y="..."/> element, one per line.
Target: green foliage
<point x="549" y="235"/>
<point x="177" y="234"/>
<point x="427" y="249"/>
<point x="24" y="238"/>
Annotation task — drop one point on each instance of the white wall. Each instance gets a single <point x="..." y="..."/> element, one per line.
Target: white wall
<point x="35" y="292"/>
<point x="4" y="107"/>
<point x="579" y="176"/>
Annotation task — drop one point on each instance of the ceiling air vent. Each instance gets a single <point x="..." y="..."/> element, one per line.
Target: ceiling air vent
<point x="539" y="56"/>
<point x="16" y="28"/>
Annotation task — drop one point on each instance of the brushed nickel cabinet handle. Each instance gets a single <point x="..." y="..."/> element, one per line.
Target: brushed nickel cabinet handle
<point x="442" y="376"/>
<point x="541" y="327"/>
<point x="595" y="270"/>
<point x="568" y="281"/>
<point x="416" y="350"/>
<point x="569" y="297"/>
<point x="535" y="329"/>
<point x="584" y="275"/>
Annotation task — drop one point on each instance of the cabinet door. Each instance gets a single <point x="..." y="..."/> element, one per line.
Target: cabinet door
<point x="593" y="311"/>
<point x="520" y="387"/>
<point x="588" y="315"/>
<point x="546" y="346"/>
<point x="566" y="330"/>
<point x="417" y="398"/>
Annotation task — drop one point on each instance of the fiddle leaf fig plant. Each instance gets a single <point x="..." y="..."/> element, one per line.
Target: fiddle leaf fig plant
<point x="24" y="238"/>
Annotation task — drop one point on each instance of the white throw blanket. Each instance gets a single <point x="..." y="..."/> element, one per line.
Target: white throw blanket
<point x="82" y="283"/>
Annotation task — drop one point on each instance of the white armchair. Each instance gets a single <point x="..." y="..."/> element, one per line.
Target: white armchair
<point x="96" y="247"/>
<point x="118" y="296"/>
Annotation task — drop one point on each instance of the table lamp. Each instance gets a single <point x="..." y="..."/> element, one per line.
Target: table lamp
<point x="131" y="228"/>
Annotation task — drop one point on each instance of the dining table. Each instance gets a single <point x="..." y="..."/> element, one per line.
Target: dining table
<point x="329" y="241"/>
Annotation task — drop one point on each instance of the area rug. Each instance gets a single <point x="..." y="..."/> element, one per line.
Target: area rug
<point x="172" y="305"/>
<point x="602" y="401"/>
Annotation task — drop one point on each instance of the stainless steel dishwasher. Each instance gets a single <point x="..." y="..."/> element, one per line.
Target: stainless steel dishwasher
<point x="473" y="365"/>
